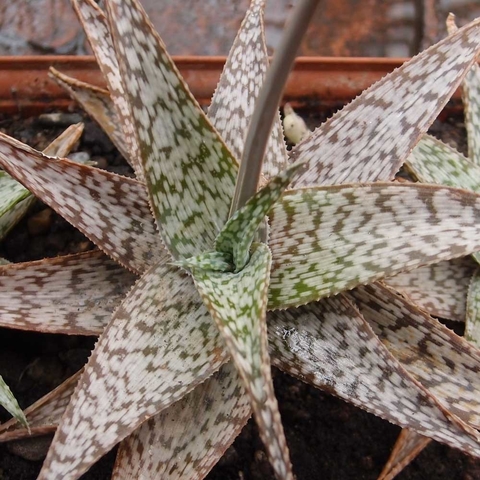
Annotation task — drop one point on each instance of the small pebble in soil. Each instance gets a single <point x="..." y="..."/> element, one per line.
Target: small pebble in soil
<point x="40" y="222"/>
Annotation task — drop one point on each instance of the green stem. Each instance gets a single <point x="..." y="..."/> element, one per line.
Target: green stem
<point x="267" y="104"/>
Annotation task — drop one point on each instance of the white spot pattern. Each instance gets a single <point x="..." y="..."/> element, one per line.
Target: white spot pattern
<point x="372" y="136"/>
<point x="329" y="239"/>
<point x="73" y="294"/>
<point x="154" y="351"/>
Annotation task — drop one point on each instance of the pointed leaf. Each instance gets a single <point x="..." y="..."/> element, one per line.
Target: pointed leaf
<point x="9" y="402"/>
<point x="236" y="94"/>
<point x="44" y="415"/>
<point x="189" y="172"/>
<point x="431" y="161"/>
<point x="439" y="359"/>
<point x="370" y="138"/>
<point x="96" y="28"/>
<point x="187" y="439"/>
<point x="330" y="239"/>
<point x="15" y="200"/>
<point x="471" y="102"/>
<point x="98" y="104"/>
<point x="408" y="445"/>
<point x="74" y="294"/>
<point x="238" y="233"/>
<point x="237" y="302"/>
<point x="160" y="344"/>
<point x="440" y="289"/>
<point x="331" y="345"/>
<point x="109" y="209"/>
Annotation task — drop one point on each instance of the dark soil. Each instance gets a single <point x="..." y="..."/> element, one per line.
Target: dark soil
<point x="328" y="438"/>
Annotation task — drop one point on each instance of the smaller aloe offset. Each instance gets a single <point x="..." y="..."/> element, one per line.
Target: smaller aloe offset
<point x="164" y="347"/>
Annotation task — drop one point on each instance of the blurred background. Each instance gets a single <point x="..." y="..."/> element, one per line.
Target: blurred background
<point x="392" y="28"/>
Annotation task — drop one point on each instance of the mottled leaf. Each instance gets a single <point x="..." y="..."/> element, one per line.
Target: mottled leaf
<point x="238" y="233"/>
<point x="98" y="104"/>
<point x="328" y="239"/>
<point x="329" y="344"/>
<point x="370" y="138"/>
<point x="408" y="445"/>
<point x="160" y="344"/>
<point x="73" y="294"/>
<point x="190" y="174"/>
<point x="431" y="161"/>
<point x="471" y="103"/>
<point x="187" y="439"/>
<point x="237" y="302"/>
<point x="9" y="402"/>
<point x="96" y="28"/>
<point x="472" y="318"/>
<point x="440" y="289"/>
<point x="44" y="415"/>
<point x="237" y="92"/>
<point x="439" y="359"/>
<point x="15" y="200"/>
<point x="109" y="209"/>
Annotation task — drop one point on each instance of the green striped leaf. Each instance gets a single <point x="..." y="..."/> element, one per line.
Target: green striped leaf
<point x="472" y="317"/>
<point x="237" y="235"/>
<point x="432" y="161"/>
<point x="190" y="173"/>
<point x="328" y="239"/>
<point x="237" y="302"/>
<point x="9" y="402"/>
<point x="44" y="415"/>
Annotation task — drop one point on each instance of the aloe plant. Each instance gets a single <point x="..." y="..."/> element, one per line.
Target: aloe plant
<point x="157" y="357"/>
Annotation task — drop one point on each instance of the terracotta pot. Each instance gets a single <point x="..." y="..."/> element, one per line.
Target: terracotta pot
<point x="26" y="88"/>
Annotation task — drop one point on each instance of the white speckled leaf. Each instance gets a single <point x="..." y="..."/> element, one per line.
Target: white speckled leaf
<point x="471" y="102"/>
<point x="187" y="439"/>
<point x="15" y="199"/>
<point x="237" y="302"/>
<point x="109" y="209"/>
<point x="238" y="233"/>
<point x="44" y="415"/>
<point x="440" y="289"/>
<point x="431" y="161"/>
<point x="160" y="344"/>
<point x="370" y="138"/>
<point x="439" y="359"/>
<point x="74" y="294"/>
<point x="472" y="317"/>
<point x="96" y="28"/>
<point x="408" y="445"/>
<point x="236" y="94"/>
<point x="330" y="345"/>
<point x="98" y="104"/>
<point x="190" y="174"/>
<point x="328" y="239"/>
<point x="9" y="402"/>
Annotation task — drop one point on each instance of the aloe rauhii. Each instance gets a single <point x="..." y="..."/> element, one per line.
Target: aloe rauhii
<point x="159" y="353"/>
